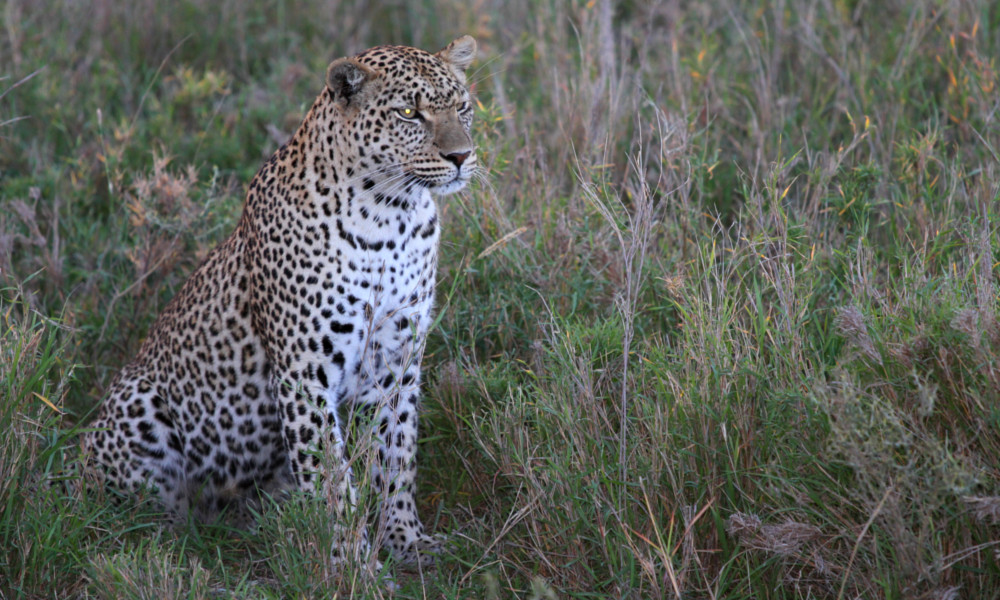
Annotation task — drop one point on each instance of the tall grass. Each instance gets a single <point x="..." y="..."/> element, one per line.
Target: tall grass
<point x="721" y="322"/>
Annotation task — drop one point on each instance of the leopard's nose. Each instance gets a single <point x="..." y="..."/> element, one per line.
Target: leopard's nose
<point x="456" y="158"/>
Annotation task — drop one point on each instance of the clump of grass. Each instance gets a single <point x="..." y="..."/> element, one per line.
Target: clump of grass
<point x="38" y="523"/>
<point x="302" y="534"/>
<point x="153" y="574"/>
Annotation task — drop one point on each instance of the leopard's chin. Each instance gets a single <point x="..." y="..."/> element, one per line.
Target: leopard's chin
<point x="449" y="188"/>
<point x="457" y="183"/>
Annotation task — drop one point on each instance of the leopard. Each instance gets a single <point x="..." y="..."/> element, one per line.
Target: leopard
<point x="316" y="307"/>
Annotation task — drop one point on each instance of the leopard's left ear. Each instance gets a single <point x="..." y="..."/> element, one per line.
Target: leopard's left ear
<point x="348" y="80"/>
<point x="459" y="54"/>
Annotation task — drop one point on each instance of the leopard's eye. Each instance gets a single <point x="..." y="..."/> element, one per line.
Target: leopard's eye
<point x="408" y="113"/>
<point x="464" y="107"/>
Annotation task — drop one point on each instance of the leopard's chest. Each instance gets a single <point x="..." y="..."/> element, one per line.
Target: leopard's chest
<point x="385" y="291"/>
<point x="343" y="275"/>
<point x="385" y="252"/>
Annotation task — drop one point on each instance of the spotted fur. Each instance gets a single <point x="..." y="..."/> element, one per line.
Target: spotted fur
<point x="320" y="299"/>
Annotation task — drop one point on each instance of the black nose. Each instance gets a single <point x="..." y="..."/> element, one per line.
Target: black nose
<point x="457" y="158"/>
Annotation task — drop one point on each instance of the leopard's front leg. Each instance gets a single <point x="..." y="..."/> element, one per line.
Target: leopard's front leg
<point x="314" y="443"/>
<point x="393" y="403"/>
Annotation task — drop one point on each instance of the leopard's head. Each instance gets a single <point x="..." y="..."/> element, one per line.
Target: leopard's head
<point x="407" y="114"/>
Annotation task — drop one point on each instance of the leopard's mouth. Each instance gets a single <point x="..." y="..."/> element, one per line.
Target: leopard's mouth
<point x="434" y="184"/>
<point x="456" y="183"/>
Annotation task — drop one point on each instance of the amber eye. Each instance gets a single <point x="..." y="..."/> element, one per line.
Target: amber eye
<point x="409" y="113"/>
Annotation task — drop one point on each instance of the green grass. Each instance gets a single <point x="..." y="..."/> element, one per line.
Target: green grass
<point x="722" y="322"/>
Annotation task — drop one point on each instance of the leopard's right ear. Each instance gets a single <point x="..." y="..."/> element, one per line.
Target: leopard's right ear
<point x="459" y="55"/>
<point x="348" y="80"/>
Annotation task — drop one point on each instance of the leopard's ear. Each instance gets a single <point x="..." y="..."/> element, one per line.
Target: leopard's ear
<point x="347" y="80"/>
<point x="460" y="53"/>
